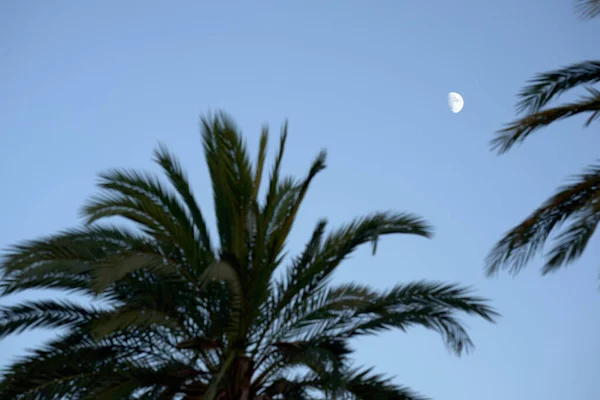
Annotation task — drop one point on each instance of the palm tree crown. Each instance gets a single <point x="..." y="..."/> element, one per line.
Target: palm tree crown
<point x="196" y="317"/>
<point x="574" y="205"/>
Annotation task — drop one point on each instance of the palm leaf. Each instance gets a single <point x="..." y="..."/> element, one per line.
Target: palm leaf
<point x="364" y="385"/>
<point x="577" y="202"/>
<point x="518" y="131"/>
<point x="587" y="9"/>
<point x="178" y="178"/>
<point x="549" y="85"/>
<point x="42" y="314"/>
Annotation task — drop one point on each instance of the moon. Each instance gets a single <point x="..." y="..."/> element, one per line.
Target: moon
<point x="455" y="102"/>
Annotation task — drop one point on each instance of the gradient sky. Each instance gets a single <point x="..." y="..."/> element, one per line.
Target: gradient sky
<point x="86" y="86"/>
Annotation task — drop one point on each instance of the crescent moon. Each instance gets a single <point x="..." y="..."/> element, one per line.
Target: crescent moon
<point x="455" y="102"/>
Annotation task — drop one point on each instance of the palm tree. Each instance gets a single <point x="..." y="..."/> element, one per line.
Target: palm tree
<point x="575" y="204"/>
<point x="191" y="317"/>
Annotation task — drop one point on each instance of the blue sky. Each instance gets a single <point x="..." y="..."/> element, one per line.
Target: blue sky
<point x="86" y="86"/>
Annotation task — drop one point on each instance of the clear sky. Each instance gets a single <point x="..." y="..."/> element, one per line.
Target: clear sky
<point x="86" y="86"/>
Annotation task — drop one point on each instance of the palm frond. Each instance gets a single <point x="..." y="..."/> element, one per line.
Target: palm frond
<point x="587" y="9"/>
<point x="364" y="385"/>
<point x="143" y="199"/>
<point x="577" y="201"/>
<point x="229" y="167"/>
<point x="573" y="241"/>
<point x="352" y="310"/>
<point x="42" y="314"/>
<point x="178" y="178"/>
<point x="549" y="85"/>
<point x="516" y="132"/>
<point x="285" y="221"/>
<point x="309" y="273"/>
<point x="311" y="270"/>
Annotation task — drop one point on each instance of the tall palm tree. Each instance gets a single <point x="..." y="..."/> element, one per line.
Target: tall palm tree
<point x="575" y="204"/>
<point x="191" y="317"/>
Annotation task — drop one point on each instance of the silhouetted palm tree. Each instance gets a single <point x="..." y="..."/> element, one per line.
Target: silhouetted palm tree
<point x="197" y="318"/>
<point x="574" y="205"/>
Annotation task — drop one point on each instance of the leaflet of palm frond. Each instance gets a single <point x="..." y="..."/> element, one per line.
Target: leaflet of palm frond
<point x="260" y="161"/>
<point x="518" y="131"/>
<point x="577" y="202"/>
<point x="550" y="85"/>
<point x="587" y="9"/>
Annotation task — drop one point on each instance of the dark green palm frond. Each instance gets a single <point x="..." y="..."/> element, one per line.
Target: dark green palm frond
<point x="178" y="178"/>
<point x="342" y="242"/>
<point x="549" y="85"/>
<point x="285" y="221"/>
<point x="573" y="241"/>
<point x="143" y="199"/>
<point x="290" y="196"/>
<point x="362" y="384"/>
<point x="578" y="202"/>
<point x="80" y="367"/>
<point x="352" y="310"/>
<point x="323" y="356"/>
<point x="55" y="374"/>
<point x="311" y="271"/>
<point x="231" y="174"/>
<point x="66" y="260"/>
<point x="89" y="260"/>
<point x="133" y="376"/>
<point x="42" y="314"/>
<point x="518" y="131"/>
<point x="322" y="255"/>
<point x="275" y="193"/>
<point x="587" y="9"/>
